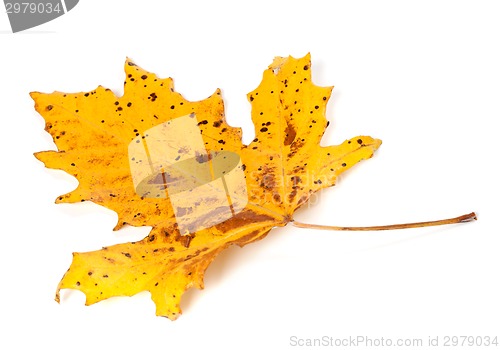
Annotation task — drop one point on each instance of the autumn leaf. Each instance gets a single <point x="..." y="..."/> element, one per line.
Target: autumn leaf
<point x="159" y="160"/>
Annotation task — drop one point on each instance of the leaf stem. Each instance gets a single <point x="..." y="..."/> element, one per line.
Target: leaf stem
<point x="458" y="220"/>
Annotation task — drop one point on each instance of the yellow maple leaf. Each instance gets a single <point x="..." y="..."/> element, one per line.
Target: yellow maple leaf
<point x="159" y="160"/>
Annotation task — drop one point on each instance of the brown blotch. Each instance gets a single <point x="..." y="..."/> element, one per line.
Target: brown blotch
<point x="268" y="181"/>
<point x="203" y="157"/>
<point x="183" y="211"/>
<point x="290" y="133"/>
<point x="156" y="180"/>
<point x="295" y="180"/>
<point x="243" y="218"/>
<point x="186" y="240"/>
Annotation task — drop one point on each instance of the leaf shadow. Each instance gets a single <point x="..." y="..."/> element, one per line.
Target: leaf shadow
<point x="226" y="264"/>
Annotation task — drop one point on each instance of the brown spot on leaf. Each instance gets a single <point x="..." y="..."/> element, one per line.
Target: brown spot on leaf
<point x="183" y="211"/>
<point x="203" y="157"/>
<point x="243" y="218"/>
<point x="290" y="134"/>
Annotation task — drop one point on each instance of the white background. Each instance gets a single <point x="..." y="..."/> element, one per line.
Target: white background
<point x="422" y="76"/>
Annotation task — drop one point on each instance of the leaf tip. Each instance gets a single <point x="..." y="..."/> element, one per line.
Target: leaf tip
<point x="129" y="62"/>
<point x="60" y="199"/>
<point x="216" y="95"/>
<point x="37" y="155"/>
